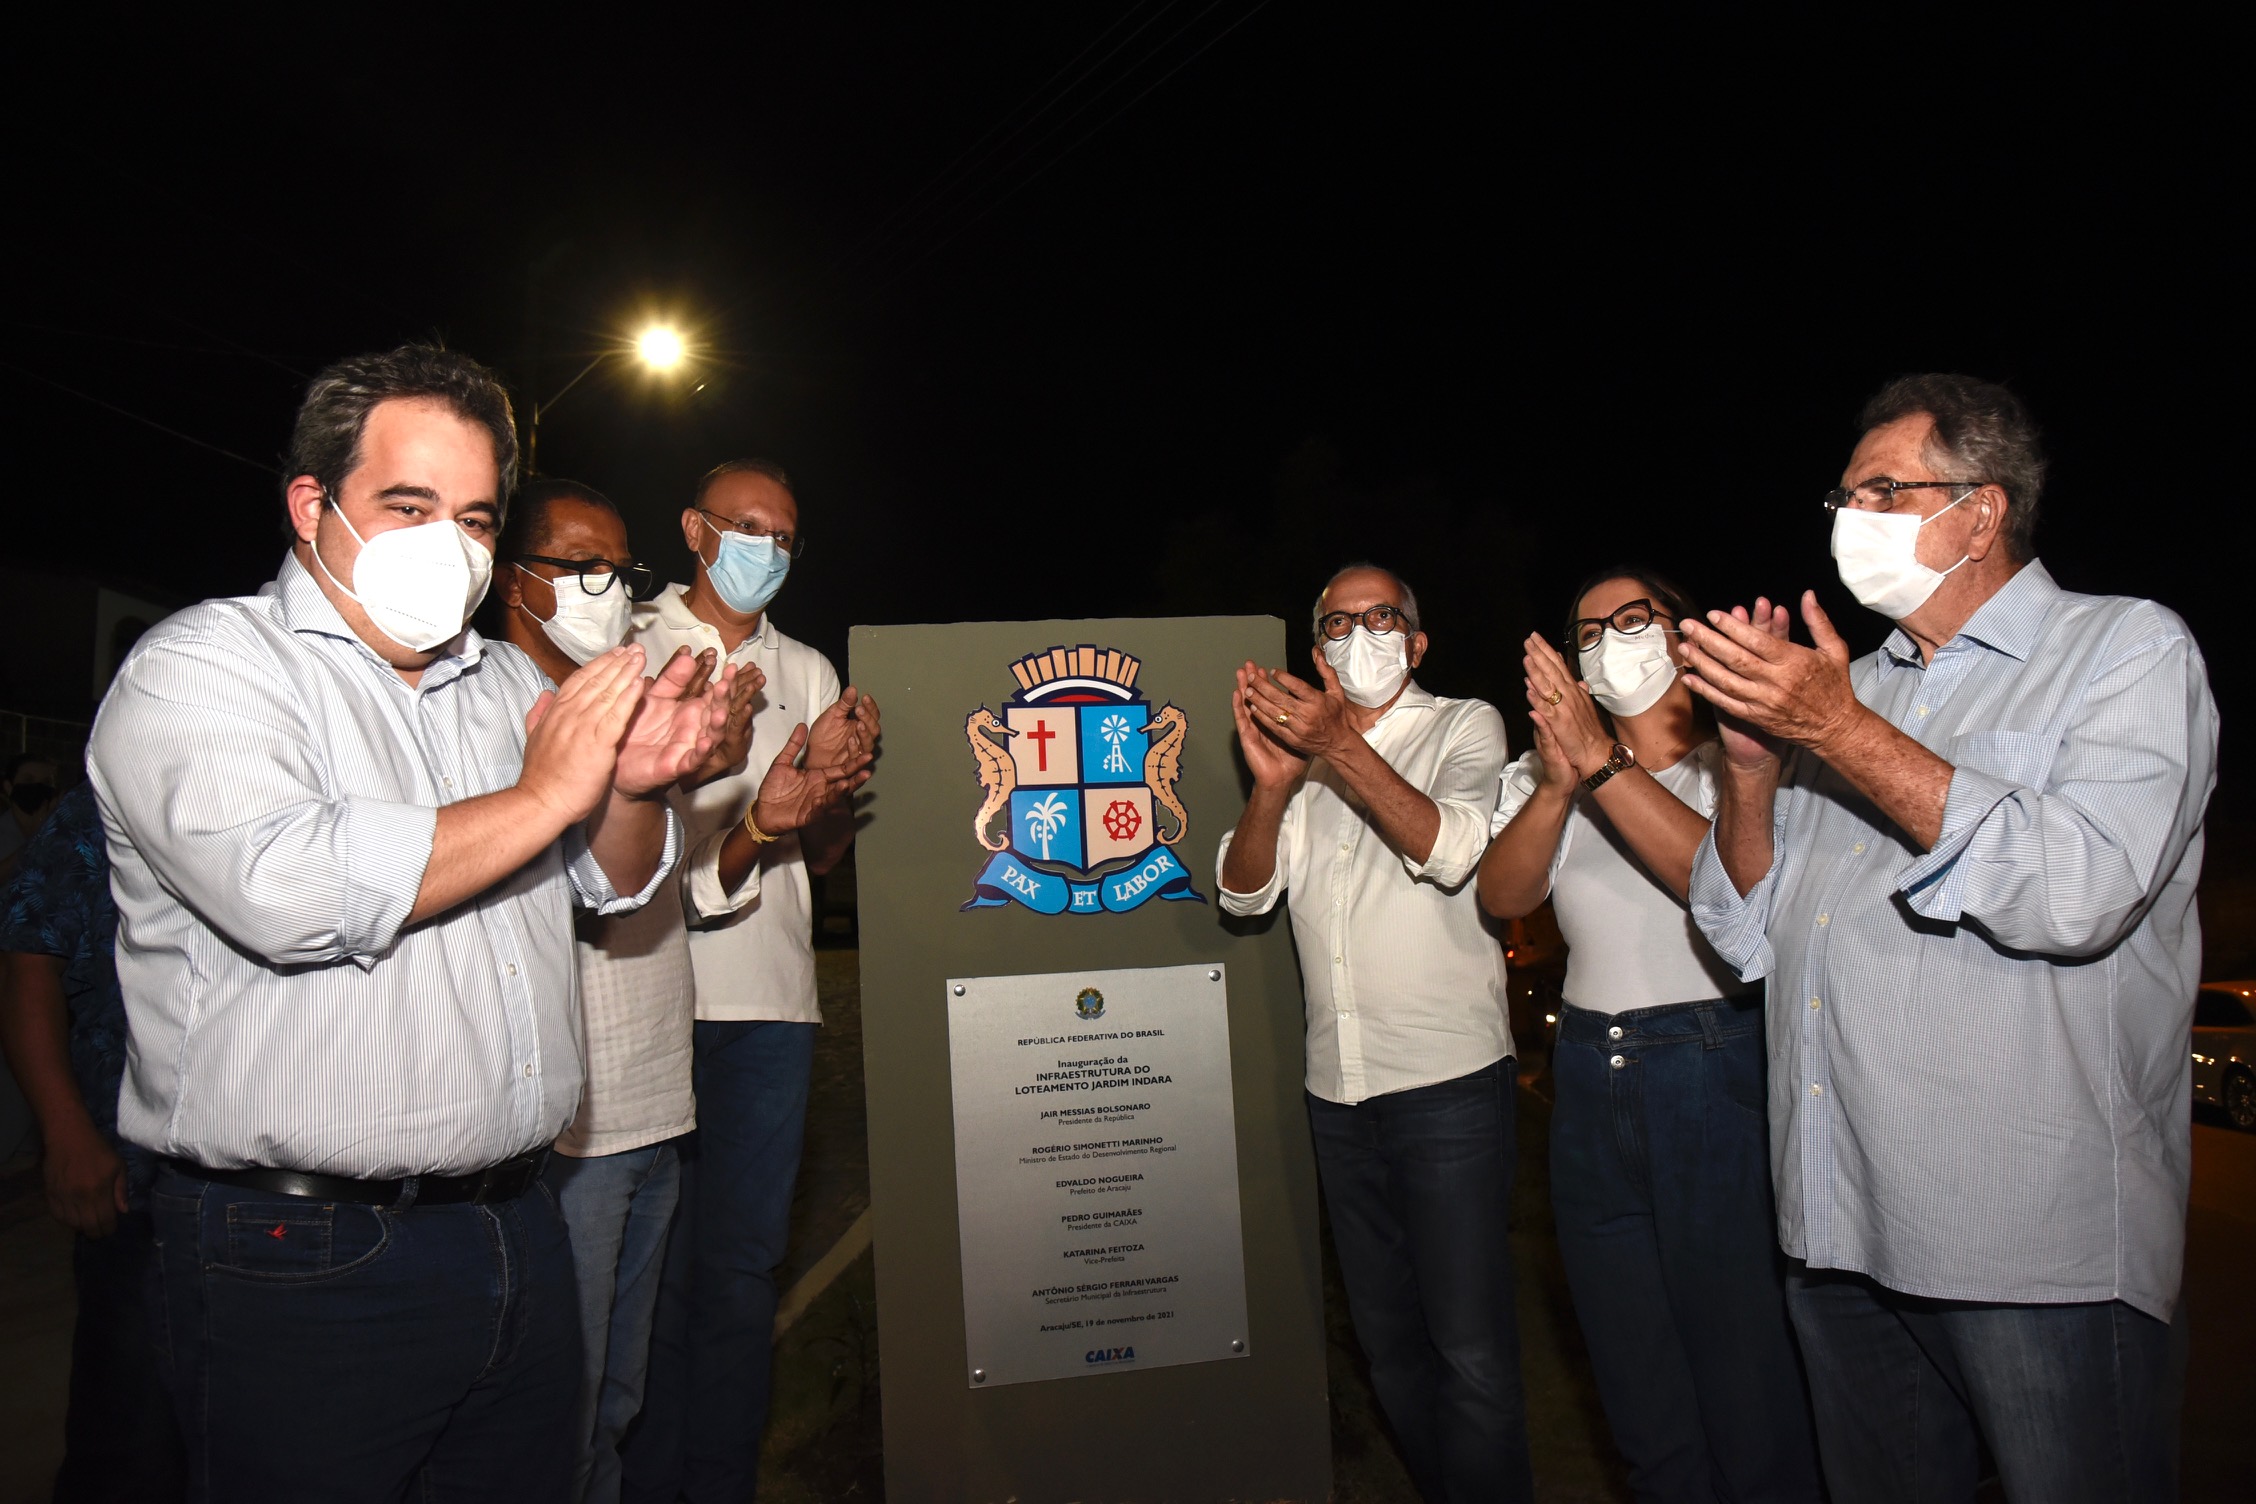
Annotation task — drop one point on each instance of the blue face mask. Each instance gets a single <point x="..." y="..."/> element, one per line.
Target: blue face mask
<point x="746" y="571"/>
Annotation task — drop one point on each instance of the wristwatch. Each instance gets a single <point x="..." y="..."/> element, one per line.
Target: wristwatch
<point x="1622" y="758"/>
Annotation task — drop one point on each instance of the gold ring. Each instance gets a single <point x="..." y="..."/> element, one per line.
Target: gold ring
<point x="1283" y="716"/>
<point x="1553" y="698"/>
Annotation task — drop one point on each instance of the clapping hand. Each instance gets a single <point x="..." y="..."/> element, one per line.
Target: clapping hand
<point x="1766" y="688"/>
<point x="573" y="733"/>
<point x="681" y="715"/>
<point x="1272" y="763"/>
<point x="735" y="740"/>
<point x="1564" y="714"/>
<point x="845" y="734"/>
<point x="1309" y="719"/>
<point x="792" y="797"/>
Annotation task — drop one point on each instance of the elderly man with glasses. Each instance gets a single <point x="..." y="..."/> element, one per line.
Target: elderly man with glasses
<point x="1369" y="812"/>
<point x="1966" y="863"/>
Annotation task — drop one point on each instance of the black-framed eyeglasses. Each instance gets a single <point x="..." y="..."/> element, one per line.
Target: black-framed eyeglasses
<point x="792" y="544"/>
<point x="1629" y="618"/>
<point x="1380" y="619"/>
<point x="596" y="575"/>
<point x="1879" y="493"/>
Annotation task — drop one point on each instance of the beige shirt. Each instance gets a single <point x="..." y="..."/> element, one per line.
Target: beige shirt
<point x="637" y="1001"/>
<point x="1405" y="985"/>
<point x="752" y="951"/>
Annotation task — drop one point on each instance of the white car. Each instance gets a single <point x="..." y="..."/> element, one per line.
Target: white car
<point x="2224" y="1049"/>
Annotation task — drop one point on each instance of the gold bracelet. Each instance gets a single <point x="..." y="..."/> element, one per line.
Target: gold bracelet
<point x="752" y="829"/>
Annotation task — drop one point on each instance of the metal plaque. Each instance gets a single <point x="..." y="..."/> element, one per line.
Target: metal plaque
<point x="1096" y="1172"/>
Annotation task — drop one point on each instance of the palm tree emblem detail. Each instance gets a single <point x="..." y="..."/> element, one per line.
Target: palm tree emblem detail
<point x="1043" y="820"/>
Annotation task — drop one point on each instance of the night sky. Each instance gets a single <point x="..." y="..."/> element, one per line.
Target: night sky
<point x="1099" y="310"/>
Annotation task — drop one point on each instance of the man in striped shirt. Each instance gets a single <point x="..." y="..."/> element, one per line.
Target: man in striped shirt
<point x="1966" y="863"/>
<point x="347" y="835"/>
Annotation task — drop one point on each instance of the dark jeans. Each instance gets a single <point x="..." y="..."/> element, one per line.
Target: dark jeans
<point x="1418" y="1190"/>
<point x="121" y="1444"/>
<point x="2077" y="1403"/>
<point x="327" y="1351"/>
<point x="1660" y="1181"/>
<point x="713" y="1343"/>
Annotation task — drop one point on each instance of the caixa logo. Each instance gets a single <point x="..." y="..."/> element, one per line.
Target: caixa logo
<point x="1110" y="1355"/>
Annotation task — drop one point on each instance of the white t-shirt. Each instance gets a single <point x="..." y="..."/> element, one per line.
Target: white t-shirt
<point x="753" y="960"/>
<point x="1631" y="943"/>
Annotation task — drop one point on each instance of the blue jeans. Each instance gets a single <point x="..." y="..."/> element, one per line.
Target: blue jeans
<point x="323" y="1350"/>
<point x="121" y="1444"/>
<point x="1660" y="1182"/>
<point x="2078" y="1403"/>
<point x="1418" y="1191"/>
<point x="617" y="1209"/>
<point x="712" y="1350"/>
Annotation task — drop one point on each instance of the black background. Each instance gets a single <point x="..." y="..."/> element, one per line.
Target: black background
<point x="1050" y="319"/>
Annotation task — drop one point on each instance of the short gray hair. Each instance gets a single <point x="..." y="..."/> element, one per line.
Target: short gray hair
<point x="1982" y="433"/>
<point x="1408" y="603"/>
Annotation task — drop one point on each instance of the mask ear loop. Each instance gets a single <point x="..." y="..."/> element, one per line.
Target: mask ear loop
<point x="551" y="584"/>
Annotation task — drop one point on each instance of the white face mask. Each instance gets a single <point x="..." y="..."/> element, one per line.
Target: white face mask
<point x="585" y="626"/>
<point x="1878" y="556"/>
<point x="1628" y="672"/>
<point x="1371" y="665"/>
<point x="418" y="584"/>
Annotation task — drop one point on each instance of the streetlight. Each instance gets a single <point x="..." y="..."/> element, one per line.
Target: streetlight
<point x="660" y="347"/>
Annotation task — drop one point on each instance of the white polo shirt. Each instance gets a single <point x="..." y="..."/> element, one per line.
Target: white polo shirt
<point x="756" y="959"/>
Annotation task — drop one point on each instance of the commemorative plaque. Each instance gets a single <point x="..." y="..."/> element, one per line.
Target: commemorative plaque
<point x="1090" y="1174"/>
<point x="1096" y="1172"/>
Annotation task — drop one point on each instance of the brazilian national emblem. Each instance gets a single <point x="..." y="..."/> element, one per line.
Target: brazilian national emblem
<point x="1080" y="811"/>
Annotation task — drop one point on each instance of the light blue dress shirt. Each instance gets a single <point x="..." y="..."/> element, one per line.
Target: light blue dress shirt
<point x="270" y="791"/>
<point x="1979" y="1054"/>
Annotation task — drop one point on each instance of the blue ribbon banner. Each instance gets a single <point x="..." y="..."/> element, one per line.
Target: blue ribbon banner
<point x="1005" y="879"/>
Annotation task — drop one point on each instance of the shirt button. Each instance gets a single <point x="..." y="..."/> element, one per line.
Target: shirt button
<point x="1815" y="1005"/>
<point x="448" y="782"/>
<point x="1858" y="848"/>
<point x="528" y="1070"/>
<point x="1823" y="920"/>
<point x="1816" y="1090"/>
<point x="1923" y="710"/>
<point x="1339" y="903"/>
<point x="1336" y="960"/>
<point x="513" y="968"/>
<point x="1614" y="1032"/>
<point x="1343" y="846"/>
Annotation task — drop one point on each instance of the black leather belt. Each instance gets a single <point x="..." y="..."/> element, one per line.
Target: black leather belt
<point x="503" y="1182"/>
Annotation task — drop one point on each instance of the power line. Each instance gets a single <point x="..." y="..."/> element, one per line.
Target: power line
<point x="974" y="154"/>
<point x="185" y="438"/>
<point x="877" y="236"/>
<point x="1015" y="189"/>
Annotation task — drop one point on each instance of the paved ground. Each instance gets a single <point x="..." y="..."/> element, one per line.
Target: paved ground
<point x="825" y="1446"/>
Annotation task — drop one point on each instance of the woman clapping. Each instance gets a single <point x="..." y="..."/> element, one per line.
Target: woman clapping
<point x="1660" y="1175"/>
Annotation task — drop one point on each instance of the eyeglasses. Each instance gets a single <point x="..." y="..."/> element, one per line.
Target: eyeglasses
<point x="1380" y="619"/>
<point x="596" y="575"/>
<point x="1628" y="619"/>
<point x="1879" y="493"/>
<point x="792" y="544"/>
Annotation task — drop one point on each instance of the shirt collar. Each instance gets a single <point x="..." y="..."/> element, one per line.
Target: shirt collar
<point x="1413" y="697"/>
<point x="307" y="608"/>
<point x="672" y="606"/>
<point x="2008" y="622"/>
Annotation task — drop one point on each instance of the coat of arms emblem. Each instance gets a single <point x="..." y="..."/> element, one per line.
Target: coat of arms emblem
<point x="1079" y="777"/>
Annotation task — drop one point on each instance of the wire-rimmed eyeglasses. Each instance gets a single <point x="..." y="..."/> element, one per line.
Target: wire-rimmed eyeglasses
<point x="1628" y="618"/>
<point x="1380" y="619"/>
<point x="792" y="544"/>
<point x="596" y="575"/>
<point x="1879" y="493"/>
